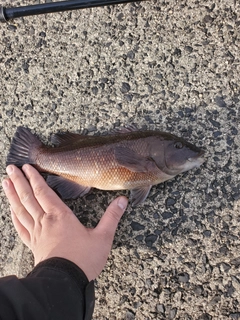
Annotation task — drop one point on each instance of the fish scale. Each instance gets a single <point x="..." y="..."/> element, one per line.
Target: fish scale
<point x="128" y="159"/>
<point x="103" y="172"/>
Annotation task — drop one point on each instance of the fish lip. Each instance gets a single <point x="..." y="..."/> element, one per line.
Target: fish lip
<point x="197" y="157"/>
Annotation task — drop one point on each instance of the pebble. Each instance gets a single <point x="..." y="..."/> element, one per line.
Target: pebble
<point x="150" y="239"/>
<point x="125" y="87"/>
<point x="173" y="313"/>
<point x="183" y="277"/>
<point x="160" y="308"/>
<point x="207" y="233"/>
<point x="236" y="262"/>
<point x="137" y="226"/>
<point x="170" y="202"/>
<point x="220" y="102"/>
<point x="167" y="215"/>
<point x="235" y="315"/>
<point x="205" y="316"/>
<point x="129" y="316"/>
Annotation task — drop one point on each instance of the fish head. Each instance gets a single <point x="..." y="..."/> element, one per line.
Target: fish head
<point x="174" y="155"/>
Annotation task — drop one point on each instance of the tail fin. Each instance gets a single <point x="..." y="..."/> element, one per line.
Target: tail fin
<point x="23" y="148"/>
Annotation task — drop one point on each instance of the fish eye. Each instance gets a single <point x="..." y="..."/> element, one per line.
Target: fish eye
<point x="178" y="145"/>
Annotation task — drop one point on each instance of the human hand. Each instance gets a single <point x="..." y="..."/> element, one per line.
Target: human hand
<point x="50" y="229"/>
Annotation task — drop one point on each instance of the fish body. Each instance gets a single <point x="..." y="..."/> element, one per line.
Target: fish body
<point x="127" y="159"/>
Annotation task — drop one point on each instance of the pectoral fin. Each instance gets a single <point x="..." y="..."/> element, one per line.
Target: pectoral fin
<point x="132" y="161"/>
<point x="66" y="188"/>
<point x="139" y="195"/>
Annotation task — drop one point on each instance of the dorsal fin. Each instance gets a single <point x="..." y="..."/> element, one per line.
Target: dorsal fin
<point x="65" y="138"/>
<point x="127" y="129"/>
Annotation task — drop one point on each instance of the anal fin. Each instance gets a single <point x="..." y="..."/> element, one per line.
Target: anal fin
<point x="67" y="189"/>
<point x="139" y="195"/>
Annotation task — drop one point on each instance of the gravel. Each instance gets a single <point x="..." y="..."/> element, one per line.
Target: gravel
<point x="172" y="66"/>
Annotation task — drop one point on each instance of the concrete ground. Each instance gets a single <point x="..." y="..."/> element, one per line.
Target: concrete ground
<point x="168" y="65"/>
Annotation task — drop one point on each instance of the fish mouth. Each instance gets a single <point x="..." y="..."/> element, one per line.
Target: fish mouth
<point x="198" y="158"/>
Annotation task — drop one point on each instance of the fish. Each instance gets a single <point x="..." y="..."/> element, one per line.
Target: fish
<point x="127" y="159"/>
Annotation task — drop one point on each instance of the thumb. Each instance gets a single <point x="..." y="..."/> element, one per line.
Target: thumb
<point x="109" y="222"/>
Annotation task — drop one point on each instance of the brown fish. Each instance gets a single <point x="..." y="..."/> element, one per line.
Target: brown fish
<point x="127" y="159"/>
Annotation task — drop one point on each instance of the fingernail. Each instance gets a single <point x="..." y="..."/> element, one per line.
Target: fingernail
<point x="9" y="170"/>
<point x="25" y="167"/>
<point x="122" y="203"/>
<point x="5" y="184"/>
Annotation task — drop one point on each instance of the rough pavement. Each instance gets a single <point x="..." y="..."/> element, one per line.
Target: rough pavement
<point x="168" y="65"/>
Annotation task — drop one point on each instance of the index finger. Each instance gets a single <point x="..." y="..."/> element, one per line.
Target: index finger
<point x="46" y="197"/>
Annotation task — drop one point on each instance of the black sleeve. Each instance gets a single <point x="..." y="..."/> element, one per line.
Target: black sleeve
<point x="55" y="289"/>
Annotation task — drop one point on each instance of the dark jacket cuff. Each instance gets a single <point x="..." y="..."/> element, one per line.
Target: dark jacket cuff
<point x="75" y="274"/>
